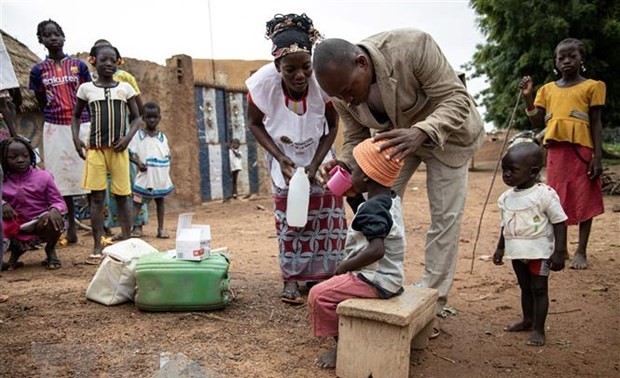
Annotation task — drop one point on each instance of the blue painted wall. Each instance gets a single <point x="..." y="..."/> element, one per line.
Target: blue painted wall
<point x="221" y="117"/>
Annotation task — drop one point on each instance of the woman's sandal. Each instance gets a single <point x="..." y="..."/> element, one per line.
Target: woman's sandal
<point x="292" y="297"/>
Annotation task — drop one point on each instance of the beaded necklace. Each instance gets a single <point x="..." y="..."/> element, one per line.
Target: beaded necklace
<point x="298" y="107"/>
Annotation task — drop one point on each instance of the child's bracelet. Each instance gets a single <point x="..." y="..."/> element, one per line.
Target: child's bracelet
<point x="531" y="112"/>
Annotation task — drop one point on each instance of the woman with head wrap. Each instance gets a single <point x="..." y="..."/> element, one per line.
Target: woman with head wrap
<point x="294" y="120"/>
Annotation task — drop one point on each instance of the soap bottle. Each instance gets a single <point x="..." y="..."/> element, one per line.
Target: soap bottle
<point x="298" y="199"/>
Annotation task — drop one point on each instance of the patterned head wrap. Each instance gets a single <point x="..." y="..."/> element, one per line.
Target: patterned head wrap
<point x="291" y="33"/>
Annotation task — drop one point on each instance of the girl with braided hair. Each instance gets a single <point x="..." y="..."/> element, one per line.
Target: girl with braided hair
<point x="55" y="81"/>
<point x="295" y="122"/>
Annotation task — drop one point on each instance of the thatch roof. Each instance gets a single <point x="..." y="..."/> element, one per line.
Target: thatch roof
<point x="23" y="60"/>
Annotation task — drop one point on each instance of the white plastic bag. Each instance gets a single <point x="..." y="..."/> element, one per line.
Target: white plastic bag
<point x="114" y="282"/>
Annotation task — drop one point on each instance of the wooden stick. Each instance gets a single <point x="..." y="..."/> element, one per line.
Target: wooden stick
<point x="444" y="358"/>
<point x="563" y="312"/>
<point x="486" y="201"/>
<point x="211" y="316"/>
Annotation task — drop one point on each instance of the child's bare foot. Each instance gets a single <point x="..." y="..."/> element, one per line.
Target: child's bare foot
<point x="537" y="338"/>
<point x="522" y="326"/>
<point x="579" y="261"/>
<point x="328" y="360"/>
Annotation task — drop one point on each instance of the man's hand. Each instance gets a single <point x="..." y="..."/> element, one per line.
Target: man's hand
<point x="142" y="167"/>
<point x="404" y="141"/>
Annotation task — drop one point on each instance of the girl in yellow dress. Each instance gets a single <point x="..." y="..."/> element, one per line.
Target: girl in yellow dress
<point x="570" y="108"/>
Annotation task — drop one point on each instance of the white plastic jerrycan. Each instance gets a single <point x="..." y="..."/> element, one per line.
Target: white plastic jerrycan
<point x="298" y="199"/>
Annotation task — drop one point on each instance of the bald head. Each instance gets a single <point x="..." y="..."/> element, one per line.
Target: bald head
<point x="343" y="70"/>
<point x="333" y="53"/>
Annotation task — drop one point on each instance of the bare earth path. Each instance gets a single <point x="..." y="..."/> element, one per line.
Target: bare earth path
<point x="49" y="329"/>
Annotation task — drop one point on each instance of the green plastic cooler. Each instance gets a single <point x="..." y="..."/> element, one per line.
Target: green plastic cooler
<point x="167" y="284"/>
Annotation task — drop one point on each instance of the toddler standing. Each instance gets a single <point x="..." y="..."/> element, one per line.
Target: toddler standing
<point x="533" y="235"/>
<point x="235" y="164"/>
<point x="150" y="152"/>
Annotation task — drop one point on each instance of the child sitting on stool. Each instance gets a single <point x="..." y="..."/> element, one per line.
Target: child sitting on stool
<point x="375" y="246"/>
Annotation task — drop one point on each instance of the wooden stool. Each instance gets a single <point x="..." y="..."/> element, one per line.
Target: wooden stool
<point x="375" y="335"/>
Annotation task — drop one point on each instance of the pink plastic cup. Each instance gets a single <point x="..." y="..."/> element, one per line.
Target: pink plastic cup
<point x="339" y="181"/>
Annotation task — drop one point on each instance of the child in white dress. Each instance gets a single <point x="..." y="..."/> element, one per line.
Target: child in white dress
<point x="235" y="157"/>
<point x="150" y="152"/>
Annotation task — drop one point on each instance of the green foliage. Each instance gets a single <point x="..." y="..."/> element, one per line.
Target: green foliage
<point x="521" y="36"/>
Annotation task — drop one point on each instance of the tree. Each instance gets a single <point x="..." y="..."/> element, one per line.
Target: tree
<point x="521" y="36"/>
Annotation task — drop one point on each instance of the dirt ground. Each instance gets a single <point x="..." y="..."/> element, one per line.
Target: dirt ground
<point x="49" y="329"/>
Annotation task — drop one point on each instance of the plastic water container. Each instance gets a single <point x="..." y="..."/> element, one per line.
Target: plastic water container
<point x="165" y="283"/>
<point x="298" y="199"/>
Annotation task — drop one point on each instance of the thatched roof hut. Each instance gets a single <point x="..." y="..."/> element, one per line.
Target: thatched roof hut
<point x="23" y="60"/>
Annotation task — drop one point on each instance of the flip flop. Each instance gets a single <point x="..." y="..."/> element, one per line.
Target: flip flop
<point x="137" y="233"/>
<point x="163" y="234"/>
<point x="293" y="298"/>
<point x="3" y="298"/>
<point x="52" y="264"/>
<point x="94" y="259"/>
